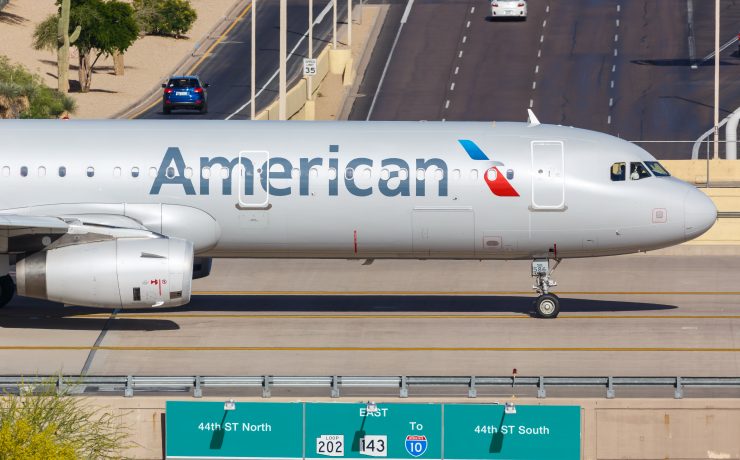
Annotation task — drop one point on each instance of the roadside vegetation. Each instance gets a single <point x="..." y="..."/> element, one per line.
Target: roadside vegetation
<point x="165" y="17"/>
<point x="24" y="95"/>
<point x="49" y="425"/>
<point x="99" y="28"/>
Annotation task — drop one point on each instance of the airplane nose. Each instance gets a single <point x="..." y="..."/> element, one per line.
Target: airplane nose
<point x="699" y="213"/>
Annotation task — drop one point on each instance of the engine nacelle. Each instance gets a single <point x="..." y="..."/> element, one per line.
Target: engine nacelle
<point x="119" y="273"/>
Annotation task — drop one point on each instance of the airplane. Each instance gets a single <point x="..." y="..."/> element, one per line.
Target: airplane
<point x="126" y="213"/>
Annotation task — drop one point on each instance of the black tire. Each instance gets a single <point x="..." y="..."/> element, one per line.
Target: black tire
<point x="7" y="290"/>
<point x="547" y="306"/>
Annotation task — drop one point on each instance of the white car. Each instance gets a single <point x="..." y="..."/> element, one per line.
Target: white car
<point x="509" y="9"/>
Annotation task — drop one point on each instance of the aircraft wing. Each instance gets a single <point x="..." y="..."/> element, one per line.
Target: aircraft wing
<point x="33" y="223"/>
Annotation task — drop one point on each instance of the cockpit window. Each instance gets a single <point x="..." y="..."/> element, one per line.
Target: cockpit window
<point x="657" y="169"/>
<point x="617" y="171"/>
<point x="638" y="171"/>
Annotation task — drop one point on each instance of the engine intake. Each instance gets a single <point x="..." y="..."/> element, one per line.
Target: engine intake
<point x="119" y="273"/>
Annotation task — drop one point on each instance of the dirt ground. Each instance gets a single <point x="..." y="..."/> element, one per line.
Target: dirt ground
<point x="147" y="62"/>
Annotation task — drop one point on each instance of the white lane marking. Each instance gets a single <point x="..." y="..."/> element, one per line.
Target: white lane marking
<point x="444" y="119"/>
<point x="468" y="26"/>
<point x="544" y="23"/>
<point x="407" y="12"/>
<point x="617" y="22"/>
<point x="692" y="41"/>
<point x="472" y="10"/>
<point x="615" y="52"/>
<point x="460" y="54"/>
<point x="611" y="101"/>
<point x="619" y="8"/>
<point x="534" y="84"/>
<point x="390" y="56"/>
<point x="452" y="86"/>
<point x="317" y="21"/>
<point x="614" y="67"/>
<point x="539" y="53"/>
<point x="447" y="104"/>
<point x="465" y="38"/>
<point x="457" y="69"/>
<point x="609" y="120"/>
<point x="547" y="10"/>
<point x="531" y="103"/>
<point x="616" y="37"/>
<point x="542" y="38"/>
<point x="611" y="83"/>
<point x="537" y="68"/>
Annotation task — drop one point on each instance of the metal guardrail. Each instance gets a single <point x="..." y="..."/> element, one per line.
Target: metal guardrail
<point x="151" y="384"/>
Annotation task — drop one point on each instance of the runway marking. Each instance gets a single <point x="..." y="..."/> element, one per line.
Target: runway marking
<point x="468" y="25"/>
<point x="425" y="293"/>
<point x="616" y="38"/>
<point x="472" y="9"/>
<point x="447" y="104"/>
<point x="614" y="67"/>
<point x="452" y="86"/>
<point x="609" y="120"/>
<point x="370" y="349"/>
<point x="615" y="52"/>
<point x="539" y="53"/>
<point x="202" y="58"/>
<point x="531" y="103"/>
<point x="611" y="101"/>
<point x="404" y="18"/>
<point x="619" y="8"/>
<point x="460" y="54"/>
<point x="457" y="69"/>
<point x="617" y="22"/>
<point x="465" y="39"/>
<point x="544" y="23"/>
<point x="611" y="83"/>
<point x="542" y="38"/>
<point x="537" y="68"/>
<point x="534" y="84"/>
<point x="547" y="10"/>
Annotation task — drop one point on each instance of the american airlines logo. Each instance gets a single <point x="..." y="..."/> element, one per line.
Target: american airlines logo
<point x="396" y="179"/>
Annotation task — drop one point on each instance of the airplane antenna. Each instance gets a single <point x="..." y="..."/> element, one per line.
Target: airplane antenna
<point x="533" y="121"/>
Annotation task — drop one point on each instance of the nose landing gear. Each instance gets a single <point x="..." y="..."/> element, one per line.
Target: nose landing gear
<point x="546" y="305"/>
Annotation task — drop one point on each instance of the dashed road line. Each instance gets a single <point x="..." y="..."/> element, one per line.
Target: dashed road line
<point x="460" y="54"/>
<point x="447" y="104"/>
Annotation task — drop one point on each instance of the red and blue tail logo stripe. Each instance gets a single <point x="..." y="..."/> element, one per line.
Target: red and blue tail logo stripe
<point x="499" y="185"/>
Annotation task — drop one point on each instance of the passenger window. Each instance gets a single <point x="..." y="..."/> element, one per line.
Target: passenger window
<point x="225" y="173"/>
<point x="618" y="171"/>
<point x="491" y="175"/>
<point x="117" y="172"/>
<point x="314" y="173"/>
<point x="134" y="172"/>
<point x="510" y="174"/>
<point x="638" y="171"/>
<point x="349" y="173"/>
<point x="385" y="174"/>
<point x="439" y="174"/>
<point x="6" y="171"/>
<point x="24" y="171"/>
<point x="474" y="174"/>
<point x="62" y="171"/>
<point x="403" y="174"/>
<point x="42" y="171"/>
<point x="90" y="171"/>
<point x="188" y="172"/>
<point x="152" y="172"/>
<point x="456" y="174"/>
<point x="205" y="173"/>
<point x="296" y="173"/>
<point x="332" y="174"/>
<point x="420" y="174"/>
<point x="170" y="172"/>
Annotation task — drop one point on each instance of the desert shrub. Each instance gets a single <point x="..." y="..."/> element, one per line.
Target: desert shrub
<point x="49" y="424"/>
<point x="26" y="92"/>
<point x="165" y="17"/>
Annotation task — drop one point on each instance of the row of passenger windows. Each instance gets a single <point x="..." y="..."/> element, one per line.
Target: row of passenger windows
<point x="638" y="170"/>
<point x="349" y="173"/>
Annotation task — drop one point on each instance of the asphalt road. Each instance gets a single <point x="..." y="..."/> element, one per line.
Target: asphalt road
<point x="622" y="67"/>
<point x="228" y="67"/>
<point x="641" y="315"/>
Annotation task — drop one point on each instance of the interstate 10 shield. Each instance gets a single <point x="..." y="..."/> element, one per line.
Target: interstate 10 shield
<point x="416" y="445"/>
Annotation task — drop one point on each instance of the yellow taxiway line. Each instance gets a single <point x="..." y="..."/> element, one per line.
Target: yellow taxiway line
<point x="202" y="58"/>
<point x="368" y="349"/>
<point x="451" y="293"/>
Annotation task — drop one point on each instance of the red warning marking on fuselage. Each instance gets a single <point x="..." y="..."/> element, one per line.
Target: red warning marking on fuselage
<point x="499" y="186"/>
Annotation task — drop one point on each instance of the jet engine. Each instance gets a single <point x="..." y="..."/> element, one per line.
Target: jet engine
<point x="116" y="273"/>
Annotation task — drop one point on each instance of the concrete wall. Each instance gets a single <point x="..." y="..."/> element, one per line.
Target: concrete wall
<point x="628" y="428"/>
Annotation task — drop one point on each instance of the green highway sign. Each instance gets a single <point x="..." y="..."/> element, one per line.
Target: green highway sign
<point x="391" y="431"/>
<point x="476" y="431"/>
<point x="246" y="431"/>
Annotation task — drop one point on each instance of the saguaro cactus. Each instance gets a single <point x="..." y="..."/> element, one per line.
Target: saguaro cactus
<point x="64" y="40"/>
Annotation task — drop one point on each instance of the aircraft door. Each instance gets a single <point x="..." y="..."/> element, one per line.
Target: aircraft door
<point x="252" y="178"/>
<point x="548" y="175"/>
<point x="443" y="232"/>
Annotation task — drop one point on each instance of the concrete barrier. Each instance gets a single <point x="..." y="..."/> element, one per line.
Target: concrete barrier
<point x="629" y="428"/>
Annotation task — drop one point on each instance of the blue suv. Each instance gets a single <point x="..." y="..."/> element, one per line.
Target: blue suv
<point x="185" y="92"/>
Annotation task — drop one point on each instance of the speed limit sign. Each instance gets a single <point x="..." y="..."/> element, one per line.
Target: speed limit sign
<point x="310" y="67"/>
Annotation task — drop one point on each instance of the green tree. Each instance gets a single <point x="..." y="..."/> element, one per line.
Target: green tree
<point x="53" y="425"/>
<point x="165" y="17"/>
<point x="106" y="27"/>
